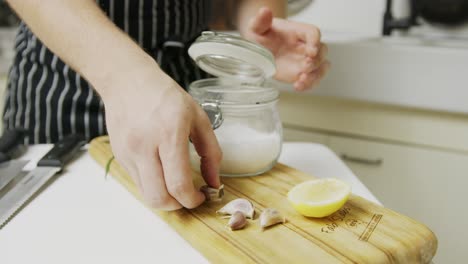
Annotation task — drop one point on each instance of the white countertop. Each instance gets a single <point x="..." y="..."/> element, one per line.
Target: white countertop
<point x="84" y="218"/>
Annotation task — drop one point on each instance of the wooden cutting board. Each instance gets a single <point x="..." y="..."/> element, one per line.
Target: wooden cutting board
<point x="361" y="232"/>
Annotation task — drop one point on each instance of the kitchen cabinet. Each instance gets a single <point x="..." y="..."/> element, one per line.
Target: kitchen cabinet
<point x="425" y="184"/>
<point x="414" y="161"/>
<point x="291" y="134"/>
<point x="377" y="121"/>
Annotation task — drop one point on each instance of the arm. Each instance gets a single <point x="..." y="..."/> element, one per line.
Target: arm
<point x="82" y="36"/>
<point x="149" y="117"/>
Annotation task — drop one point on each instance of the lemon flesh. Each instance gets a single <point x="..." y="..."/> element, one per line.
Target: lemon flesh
<point x="319" y="198"/>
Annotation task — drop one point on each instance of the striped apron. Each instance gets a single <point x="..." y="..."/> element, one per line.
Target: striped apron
<point x="50" y="100"/>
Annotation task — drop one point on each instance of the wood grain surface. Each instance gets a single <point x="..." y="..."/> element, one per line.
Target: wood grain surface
<point x="360" y="232"/>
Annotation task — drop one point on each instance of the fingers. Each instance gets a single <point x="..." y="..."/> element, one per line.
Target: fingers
<point x="313" y="70"/>
<point x="313" y="63"/>
<point x="153" y="187"/>
<point x="311" y="37"/>
<point x="309" y="80"/>
<point x="207" y="147"/>
<point x="177" y="172"/>
<point x="262" y="21"/>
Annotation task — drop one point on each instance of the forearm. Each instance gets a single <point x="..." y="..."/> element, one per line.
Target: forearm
<point x="82" y="36"/>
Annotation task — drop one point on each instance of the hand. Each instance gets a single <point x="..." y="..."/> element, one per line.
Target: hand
<point x="150" y="120"/>
<point x="299" y="54"/>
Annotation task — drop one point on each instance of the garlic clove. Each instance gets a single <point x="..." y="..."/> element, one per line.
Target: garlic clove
<point x="271" y="216"/>
<point x="213" y="194"/>
<point x="237" y="221"/>
<point x="240" y="204"/>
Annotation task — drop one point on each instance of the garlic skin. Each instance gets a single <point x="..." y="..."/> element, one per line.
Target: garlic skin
<point x="237" y="221"/>
<point x="242" y="205"/>
<point x="213" y="194"/>
<point x="271" y="216"/>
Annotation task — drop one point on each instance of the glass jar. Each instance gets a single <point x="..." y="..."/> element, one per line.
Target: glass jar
<point x="242" y="110"/>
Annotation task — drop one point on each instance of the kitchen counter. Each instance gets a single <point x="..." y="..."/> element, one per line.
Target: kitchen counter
<point x="82" y="217"/>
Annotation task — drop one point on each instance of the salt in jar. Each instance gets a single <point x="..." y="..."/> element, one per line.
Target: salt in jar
<point x="242" y="110"/>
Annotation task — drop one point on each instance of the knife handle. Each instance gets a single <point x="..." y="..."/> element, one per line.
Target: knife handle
<point x="62" y="152"/>
<point x="9" y="143"/>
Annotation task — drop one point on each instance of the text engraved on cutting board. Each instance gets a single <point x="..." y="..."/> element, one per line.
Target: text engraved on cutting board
<point x="342" y="218"/>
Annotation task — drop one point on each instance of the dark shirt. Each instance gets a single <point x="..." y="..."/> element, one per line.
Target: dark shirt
<point x="50" y="100"/>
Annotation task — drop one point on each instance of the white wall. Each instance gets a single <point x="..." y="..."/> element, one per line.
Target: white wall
<point x="364" y="18"/>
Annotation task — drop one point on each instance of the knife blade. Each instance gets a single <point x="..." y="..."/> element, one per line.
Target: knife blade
<point x="10" y="147"/>
<point x="29" y="185"/>
<point x="9" y="170"/>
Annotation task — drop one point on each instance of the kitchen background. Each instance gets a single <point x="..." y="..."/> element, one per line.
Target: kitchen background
<point x="394" y="108"/>
<point x="8" y="22"/>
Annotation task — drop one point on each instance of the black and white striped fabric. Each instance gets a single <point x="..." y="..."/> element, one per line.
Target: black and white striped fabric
<point x="50" y="100"/>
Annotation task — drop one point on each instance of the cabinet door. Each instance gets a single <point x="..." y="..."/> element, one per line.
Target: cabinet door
<point x="425" y="184"/>
<point x="293" y="134"/>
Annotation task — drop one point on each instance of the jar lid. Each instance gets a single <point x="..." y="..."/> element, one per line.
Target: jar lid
<point x="229" y="56"/>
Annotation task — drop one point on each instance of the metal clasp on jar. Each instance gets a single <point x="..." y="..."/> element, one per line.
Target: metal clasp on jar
<point x="214" y="113"/>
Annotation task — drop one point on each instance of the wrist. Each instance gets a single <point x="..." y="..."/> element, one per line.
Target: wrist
<point x="123" y="74"/>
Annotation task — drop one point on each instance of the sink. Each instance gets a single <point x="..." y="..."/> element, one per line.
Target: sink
<point x="413" y="72"/>
<point x="433" y="41"/>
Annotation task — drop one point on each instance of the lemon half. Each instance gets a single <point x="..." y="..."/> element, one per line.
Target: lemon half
<point x="319" y="198"/>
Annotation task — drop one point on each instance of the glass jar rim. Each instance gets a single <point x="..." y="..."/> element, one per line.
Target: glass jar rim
<point x="226" y="92"/>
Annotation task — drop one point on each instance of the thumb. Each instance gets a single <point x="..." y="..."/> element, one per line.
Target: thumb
<point x="262" y="21"/>
<point x="207" y="147"/>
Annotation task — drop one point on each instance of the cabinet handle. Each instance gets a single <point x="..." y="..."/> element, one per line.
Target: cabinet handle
<point x="374" y="162"/>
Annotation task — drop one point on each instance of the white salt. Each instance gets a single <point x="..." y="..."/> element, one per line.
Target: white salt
<point x="246" y="151"/>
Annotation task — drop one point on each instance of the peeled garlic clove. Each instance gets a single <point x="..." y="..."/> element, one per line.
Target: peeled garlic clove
<point x="242" y="205"/>
<point x="237" y="221"/>
<point x="213" y="194"/>
<point x="271" y="216"/>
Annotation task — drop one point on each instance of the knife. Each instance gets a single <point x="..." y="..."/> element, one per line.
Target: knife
<point x="26" y="187"/>
<point x="11" y="147"/>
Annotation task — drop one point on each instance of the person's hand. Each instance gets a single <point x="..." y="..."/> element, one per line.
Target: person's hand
<point x="300" y="56"/>
<point x="150" y="120"/>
